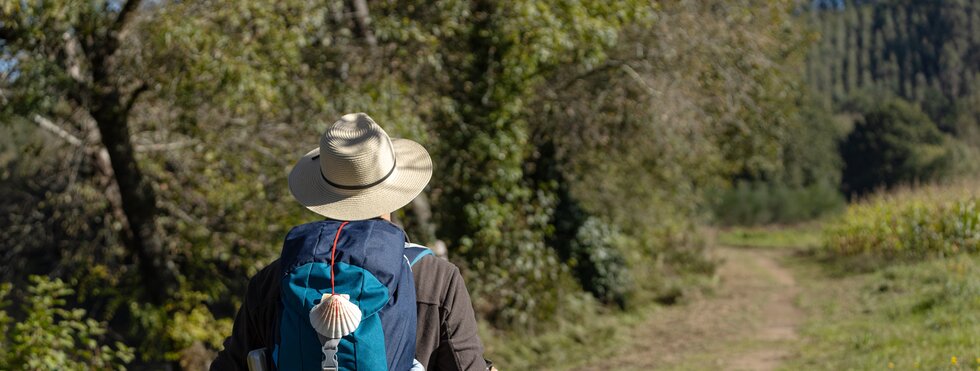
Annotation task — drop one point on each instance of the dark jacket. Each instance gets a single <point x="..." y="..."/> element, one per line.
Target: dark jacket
<point x="446" y="338"/>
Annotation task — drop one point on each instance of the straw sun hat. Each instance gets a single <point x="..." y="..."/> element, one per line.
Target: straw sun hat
<point x="359" y="172"/>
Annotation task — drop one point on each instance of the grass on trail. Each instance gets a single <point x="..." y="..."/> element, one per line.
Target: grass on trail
<point x="877" y="313"/>
<point x="574" y="342"/>
<point x="799" y="236"/>
<point x="923" y="315"/>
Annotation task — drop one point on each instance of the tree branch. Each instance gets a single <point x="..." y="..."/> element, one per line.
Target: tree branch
<point x="46" y="124"/>
<point x="108" y="45"/>
<point x="128" y="105"/>
<point x="606" y="67"/>
<point x="124" y="17"/>
<point x="73" y="64"/>
<point x="639" y="80"/>
<point x="163" y="146"/>
<point x="362" y="22"/>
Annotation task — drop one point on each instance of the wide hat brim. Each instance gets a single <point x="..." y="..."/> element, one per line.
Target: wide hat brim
<point x="413" y="169"/>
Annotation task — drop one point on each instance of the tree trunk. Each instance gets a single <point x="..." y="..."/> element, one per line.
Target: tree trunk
<point x="138" y="198"/>
<point x="362" y="22"/>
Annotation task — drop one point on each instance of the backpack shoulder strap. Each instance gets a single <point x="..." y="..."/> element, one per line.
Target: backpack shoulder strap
<point x="415" y="252"/>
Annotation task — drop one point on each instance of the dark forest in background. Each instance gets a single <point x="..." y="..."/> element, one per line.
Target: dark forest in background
<point x="903" y="69"/>
<point x="896" y="86"/>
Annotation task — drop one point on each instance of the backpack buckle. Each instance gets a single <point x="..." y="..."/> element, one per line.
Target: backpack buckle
<point x="329" y="362"/>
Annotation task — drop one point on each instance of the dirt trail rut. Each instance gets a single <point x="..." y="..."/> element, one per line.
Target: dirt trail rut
<point x="749" y="324"/>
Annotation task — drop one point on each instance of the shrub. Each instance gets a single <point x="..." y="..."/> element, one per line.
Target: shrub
<point x="910" y="223"/>
<point x="599" y="265"/>
<point x="52" y="336"/>
<point x="753" y="203"/>
<point x="894" y="143"/>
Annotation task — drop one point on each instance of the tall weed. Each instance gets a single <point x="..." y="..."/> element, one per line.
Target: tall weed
<point x="912" y="222"/>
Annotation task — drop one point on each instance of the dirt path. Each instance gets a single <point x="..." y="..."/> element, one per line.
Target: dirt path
<point x="749" y="324"/>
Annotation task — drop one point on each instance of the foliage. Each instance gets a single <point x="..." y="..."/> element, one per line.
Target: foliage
<point x="921" y="314"/>
<point x="615" y="111"/>
<point x="668" y="115"/>
<point x="485" y="205"/>
<point x="893" y="143"/>
<point x="810" y="153"/>
<point x="937" y="220"/>
<point x="52" y="335"/>
<point x="598" y="264"/>
<point x="756" y="203"/>
<point x="589" y="333"/>
<point x="922" y="51"/>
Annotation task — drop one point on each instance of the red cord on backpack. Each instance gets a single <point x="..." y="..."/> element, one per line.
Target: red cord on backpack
<point x="333" y="253"/>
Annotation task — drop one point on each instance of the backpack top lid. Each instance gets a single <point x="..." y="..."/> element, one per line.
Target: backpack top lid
<point x="369" y="265"/>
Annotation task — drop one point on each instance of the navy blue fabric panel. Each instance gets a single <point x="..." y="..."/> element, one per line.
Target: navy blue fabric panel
<point x="399" y="321"/>
<point x="377" y="246"/>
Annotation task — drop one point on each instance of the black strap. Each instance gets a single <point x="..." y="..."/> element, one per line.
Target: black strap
<point x="358" y="187"/>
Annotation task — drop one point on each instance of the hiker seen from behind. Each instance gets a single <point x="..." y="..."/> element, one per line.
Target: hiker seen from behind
<point x="350" y="292"/>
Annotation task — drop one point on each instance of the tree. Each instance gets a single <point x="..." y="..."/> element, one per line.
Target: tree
<point x="893" y="143"/>
<point x="70" y="63"/>
<point x="922" y="51"/>
<point x="487" y="206"/>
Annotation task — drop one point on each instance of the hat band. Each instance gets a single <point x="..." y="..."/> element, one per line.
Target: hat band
<point x="359" y="187"/>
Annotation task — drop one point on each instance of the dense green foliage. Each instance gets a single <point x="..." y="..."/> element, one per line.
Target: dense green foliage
<point x="52" y="335"/>
<point x="895" y="71"/>
<point x="486" y="206"/>
<point x="803" y="184"/>
<point x="755" y="203"/>
<point x="893" y="143"/>
<point x="922" y="51"/>
<point x="940" y="220"/>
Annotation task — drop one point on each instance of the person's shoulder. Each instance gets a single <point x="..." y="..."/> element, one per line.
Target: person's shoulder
<point x="266" y="278"/>
<point x="432" y="265"/>
<point x="272" y="269"/>
<point x="427" y="259"/>
<point x="435" y="279"/>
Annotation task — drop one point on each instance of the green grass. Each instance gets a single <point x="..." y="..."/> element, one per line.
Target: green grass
<point x="898" y="287"/>
<point x="801" y="236"/>
<point x="907" y="316"/>
<point x="571" y="342"/>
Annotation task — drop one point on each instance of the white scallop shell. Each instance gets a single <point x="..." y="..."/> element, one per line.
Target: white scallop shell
<point x="335" y="316"/>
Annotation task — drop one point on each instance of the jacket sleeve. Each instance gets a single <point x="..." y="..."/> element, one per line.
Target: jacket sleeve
<point x="253" y="324"/>
<point x="459" y="346"/>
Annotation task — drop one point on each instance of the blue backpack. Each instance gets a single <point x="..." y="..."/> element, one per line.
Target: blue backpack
<point x="363" y="259"/>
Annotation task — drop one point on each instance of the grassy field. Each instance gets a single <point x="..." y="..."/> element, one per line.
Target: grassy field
<point x="909" y="315"/>
<point x="893" y="283"/>
<point x="571" y="344"/>
<point x="898" y="285"/>
<point x="804" y="236"/>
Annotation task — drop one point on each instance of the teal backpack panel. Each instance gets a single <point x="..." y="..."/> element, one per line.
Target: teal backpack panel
<point x="370" y="266"/>
<point x="299" y="338"/>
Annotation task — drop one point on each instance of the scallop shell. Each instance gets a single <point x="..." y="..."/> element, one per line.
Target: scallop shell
<point x="335" y="316"/>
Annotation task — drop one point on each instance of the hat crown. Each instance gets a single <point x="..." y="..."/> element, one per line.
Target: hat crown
<point x="356" y="152"/>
